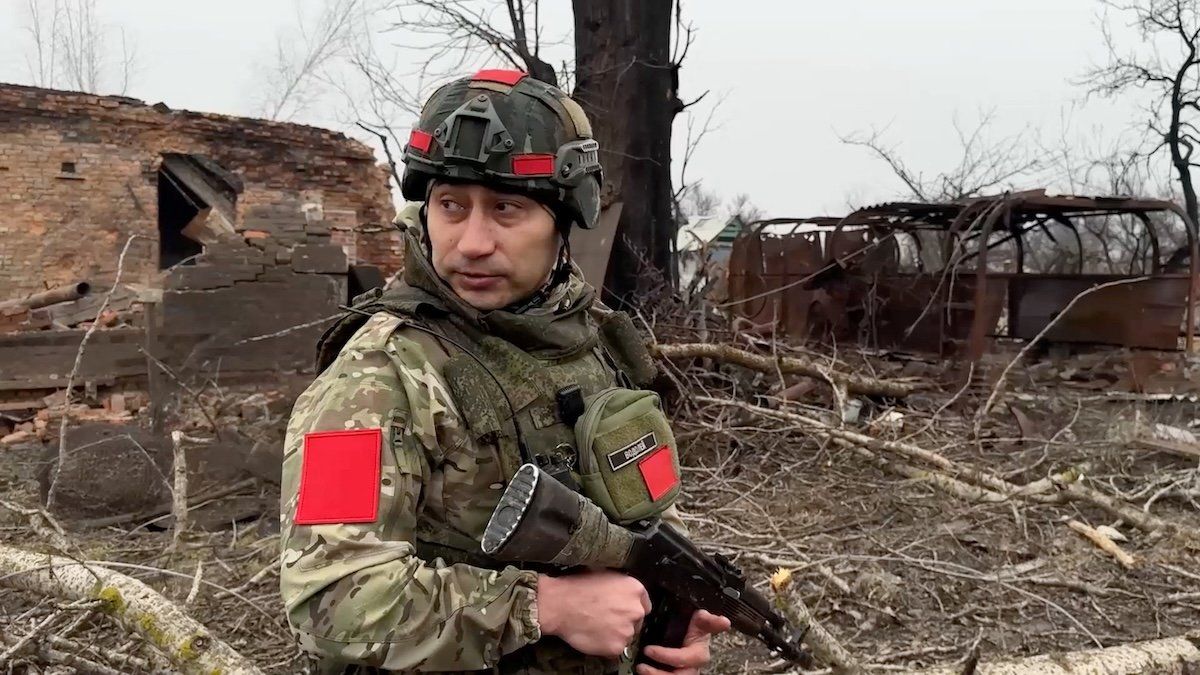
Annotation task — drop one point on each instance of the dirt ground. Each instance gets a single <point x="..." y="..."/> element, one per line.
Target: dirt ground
<point x="903" y="573"/>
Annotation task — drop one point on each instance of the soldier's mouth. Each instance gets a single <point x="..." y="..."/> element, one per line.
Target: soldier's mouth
<point x="478" y="282"/>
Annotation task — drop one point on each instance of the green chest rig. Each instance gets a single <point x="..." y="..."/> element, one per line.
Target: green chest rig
<point x="519" y="381"/>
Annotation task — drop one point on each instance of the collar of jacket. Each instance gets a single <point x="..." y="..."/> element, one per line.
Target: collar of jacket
<point x="557" y="327"/>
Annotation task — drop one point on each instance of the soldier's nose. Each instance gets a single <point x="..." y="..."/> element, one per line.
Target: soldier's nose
<point x="478" y="238"/>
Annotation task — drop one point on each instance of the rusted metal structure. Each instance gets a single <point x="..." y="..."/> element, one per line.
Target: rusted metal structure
<point x="871" y="277"/>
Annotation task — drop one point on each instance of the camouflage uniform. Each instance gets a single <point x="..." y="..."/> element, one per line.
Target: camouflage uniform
<point x="412" y="591"/>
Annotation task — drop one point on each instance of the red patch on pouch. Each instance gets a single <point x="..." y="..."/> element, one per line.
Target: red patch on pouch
<point x="658" y="471"/>
<point x="339" y="477"/>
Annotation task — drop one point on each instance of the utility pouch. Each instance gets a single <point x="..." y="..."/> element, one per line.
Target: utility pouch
<point x="628" y="463"/>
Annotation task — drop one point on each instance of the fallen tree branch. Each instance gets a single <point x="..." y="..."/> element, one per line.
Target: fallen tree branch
<point x="77" y="649"/>
<point x="1104" y="543"/>
<point x="140" y="609"/>
<point x="859" y="384"/>
<point x="824" y="645"/>
<point x="947" y="484"/>
<point x="52" y="491"/>
<point x="1170" y="655"/>
<point x="1147" y="522"/>
<point x="42" y="523"/>
<point x="979" y="485"/>
<point x="986" y="486"/>
<point x="29" y="637"/>
<point x="71" y="659"/>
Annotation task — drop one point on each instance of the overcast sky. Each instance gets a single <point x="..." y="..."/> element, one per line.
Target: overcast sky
<point x="793" y="75"/>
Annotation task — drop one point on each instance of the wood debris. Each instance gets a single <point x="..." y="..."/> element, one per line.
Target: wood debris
<point x="1104" y="543"/>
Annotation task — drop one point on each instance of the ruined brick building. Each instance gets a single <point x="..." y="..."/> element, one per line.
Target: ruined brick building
<point x="241" y="227"/>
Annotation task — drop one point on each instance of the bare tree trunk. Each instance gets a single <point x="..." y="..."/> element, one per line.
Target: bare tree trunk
<point x="1183" y="169"/>
<point x="628" y="85"/>
<point x="1178" y="142"/>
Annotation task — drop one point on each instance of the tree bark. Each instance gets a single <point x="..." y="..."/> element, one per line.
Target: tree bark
<point x="628" y="86"/>
<point x="183" y="640"/>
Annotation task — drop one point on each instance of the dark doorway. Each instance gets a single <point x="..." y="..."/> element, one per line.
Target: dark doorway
<point x="197" y="205"/>
<point x="177" y="207"/>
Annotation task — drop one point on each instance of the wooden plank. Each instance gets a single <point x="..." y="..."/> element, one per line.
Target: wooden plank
<point x="28" y="404"/>
<point x="51" y="383"/>
<point x="1173" y="447"/>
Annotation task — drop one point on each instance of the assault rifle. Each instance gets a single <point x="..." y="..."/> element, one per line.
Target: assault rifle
<point x="540" y="520"/>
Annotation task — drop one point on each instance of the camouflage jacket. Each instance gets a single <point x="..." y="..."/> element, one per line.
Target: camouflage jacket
<point x="360" y="593"/>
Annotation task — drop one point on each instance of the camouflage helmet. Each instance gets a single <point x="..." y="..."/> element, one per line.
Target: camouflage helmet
<point x="507" y="129"/>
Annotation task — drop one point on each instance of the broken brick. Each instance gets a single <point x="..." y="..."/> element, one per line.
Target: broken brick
<point x="116" y="403"/>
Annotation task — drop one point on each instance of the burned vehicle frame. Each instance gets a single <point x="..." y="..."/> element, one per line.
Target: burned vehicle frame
<point x="948" y="278"/>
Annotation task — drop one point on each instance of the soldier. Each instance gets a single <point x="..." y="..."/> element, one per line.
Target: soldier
<point x="433" y="391"/>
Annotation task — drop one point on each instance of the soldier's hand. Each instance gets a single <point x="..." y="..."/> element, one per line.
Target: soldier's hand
<point x="694" y="654"/>
<point x="597" y="613"/>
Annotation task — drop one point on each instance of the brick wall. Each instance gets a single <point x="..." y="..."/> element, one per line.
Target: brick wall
<point x="78" y="176"/>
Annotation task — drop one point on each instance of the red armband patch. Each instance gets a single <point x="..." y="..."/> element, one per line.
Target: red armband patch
<point x="658" y="471"/>
<point x="339" y="477"/>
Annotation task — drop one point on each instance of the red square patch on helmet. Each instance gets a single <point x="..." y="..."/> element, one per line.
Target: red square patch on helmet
<point x="535" y="164"/>
<point x="420" y="140"/>
<point x="339" y="477"/>
<point x="658" y="472"/>
<point x="499" y="76"/>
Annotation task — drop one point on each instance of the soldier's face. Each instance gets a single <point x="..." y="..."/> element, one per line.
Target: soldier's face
<point x="492" y="248"/>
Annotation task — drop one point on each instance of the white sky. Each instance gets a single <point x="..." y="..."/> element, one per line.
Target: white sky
<point x="794" y="75"/>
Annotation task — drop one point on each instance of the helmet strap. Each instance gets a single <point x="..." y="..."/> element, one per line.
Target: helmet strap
<point x="423" y="216"/>
<point x="562" y="269"/>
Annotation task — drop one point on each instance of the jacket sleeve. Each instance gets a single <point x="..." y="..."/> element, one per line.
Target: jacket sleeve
<point x="358" y="593"/>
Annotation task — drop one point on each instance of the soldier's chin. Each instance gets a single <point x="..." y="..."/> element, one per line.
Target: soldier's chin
<point x="484" y="300"/>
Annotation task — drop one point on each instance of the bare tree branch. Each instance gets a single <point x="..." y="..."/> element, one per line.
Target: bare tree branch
<point x="291" y="83"/>
<point x="42" y="28"/>
<point x="1171" y="84"/>
<point x="889" y="155"/>
<point x="69" y="48"/>
<point x="692" y="143"/>
<point x="983" y="166"/>
<point x="468" y="26"/>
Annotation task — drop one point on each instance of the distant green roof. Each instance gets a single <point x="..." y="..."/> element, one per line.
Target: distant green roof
<point x="705" y="230"/>
<point x="731" y="230"/>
